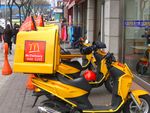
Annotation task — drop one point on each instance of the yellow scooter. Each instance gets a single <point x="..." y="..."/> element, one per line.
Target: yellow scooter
<point x="144" y="62"/>
<point x="70" y="60"/>
<point x="40" y="55"/>
<point x="87" y="60"/>
<point x="71" y="96"/>
<point x="102" y="73"/>
<point x="38" y="52"/>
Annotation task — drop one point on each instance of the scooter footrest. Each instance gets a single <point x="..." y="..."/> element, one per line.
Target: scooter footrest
<point x="102" y="107"/>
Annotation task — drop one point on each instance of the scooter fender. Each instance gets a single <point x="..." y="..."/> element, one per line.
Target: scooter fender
<point x="137" y="93"/>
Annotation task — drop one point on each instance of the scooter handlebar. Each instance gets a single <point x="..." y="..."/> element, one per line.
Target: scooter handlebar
<point x="109" y="57"/>
<point x="94" y="47"/>
<point x="87" y="50"/>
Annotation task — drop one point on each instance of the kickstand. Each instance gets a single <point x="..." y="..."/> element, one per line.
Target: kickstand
<point x="35" y="101"/>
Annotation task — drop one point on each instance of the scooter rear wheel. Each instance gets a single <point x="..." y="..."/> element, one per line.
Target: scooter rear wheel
<point x="75" y="111"/>
<point x="141" y="69"/>
<point x="130" y="106"/>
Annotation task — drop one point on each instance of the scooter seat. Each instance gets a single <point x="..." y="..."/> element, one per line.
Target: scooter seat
<point x="74" y="64"/>
<point x="80" y="82"/>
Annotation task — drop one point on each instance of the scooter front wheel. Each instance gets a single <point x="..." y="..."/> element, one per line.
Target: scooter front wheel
<point x="130" y="106"/>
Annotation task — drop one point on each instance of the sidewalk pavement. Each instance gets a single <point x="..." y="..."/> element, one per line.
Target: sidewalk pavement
<point x="15" y="98"/>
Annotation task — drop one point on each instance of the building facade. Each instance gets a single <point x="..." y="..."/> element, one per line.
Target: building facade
<point x="118" y="23"/>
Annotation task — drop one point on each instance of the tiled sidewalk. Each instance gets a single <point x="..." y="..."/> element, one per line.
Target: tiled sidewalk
<point x="14" y="97"/>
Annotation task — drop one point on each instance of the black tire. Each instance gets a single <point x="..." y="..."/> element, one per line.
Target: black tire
<point x="141" y="69"/>
<point x="55" y="105"/>
<point x="75" y="111"/>
<point x="146" y="103"/>
<point x="109" y="84"/>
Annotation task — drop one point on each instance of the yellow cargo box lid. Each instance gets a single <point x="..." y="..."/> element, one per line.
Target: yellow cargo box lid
<point x="37" y="51"/>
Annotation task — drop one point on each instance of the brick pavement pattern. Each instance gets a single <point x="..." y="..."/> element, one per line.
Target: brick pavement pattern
<point x="14" y="97"/>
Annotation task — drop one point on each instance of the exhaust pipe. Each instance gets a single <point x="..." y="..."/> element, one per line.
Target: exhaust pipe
<point x="44" y="109"/>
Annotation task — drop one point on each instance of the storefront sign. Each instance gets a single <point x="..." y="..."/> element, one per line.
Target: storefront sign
<point x="34" y="51"/>
<point x="137" y="23"/>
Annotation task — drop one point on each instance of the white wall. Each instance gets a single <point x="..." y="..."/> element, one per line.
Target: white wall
<point x="90" y="19"/>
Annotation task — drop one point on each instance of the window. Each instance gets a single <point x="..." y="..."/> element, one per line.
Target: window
<point x="137" y="24"/>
